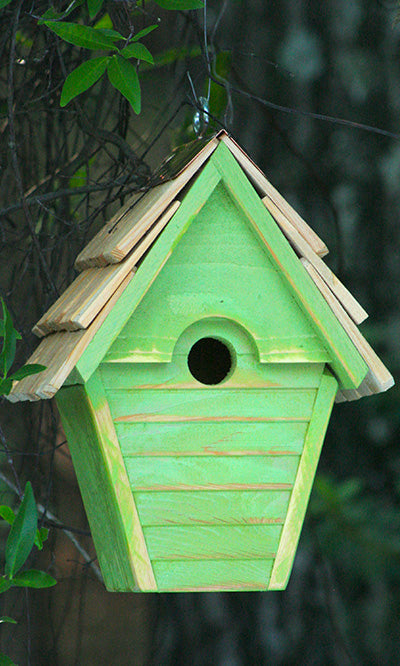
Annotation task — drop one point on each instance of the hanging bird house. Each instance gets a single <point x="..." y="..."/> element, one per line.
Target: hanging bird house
<point x="195" y="361"/>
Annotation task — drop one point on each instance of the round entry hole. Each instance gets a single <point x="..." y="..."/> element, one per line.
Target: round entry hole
<point x="209" y="361"/>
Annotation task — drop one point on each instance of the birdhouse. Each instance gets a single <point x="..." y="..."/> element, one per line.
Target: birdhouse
<point x="195" y="361"/>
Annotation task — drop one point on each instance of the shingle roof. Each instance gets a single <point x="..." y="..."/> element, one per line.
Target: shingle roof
<point x="108" y="262"/>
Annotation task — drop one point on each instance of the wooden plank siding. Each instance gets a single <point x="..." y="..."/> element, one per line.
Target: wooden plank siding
<point x="211" y="469"/>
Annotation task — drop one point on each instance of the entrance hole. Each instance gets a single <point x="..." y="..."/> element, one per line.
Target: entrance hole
<point x="209" y="361"/>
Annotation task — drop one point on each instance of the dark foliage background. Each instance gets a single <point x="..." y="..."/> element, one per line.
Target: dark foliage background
<point x="64" y="172"/>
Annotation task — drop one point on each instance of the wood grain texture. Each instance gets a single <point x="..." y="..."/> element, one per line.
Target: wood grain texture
<point x="303" y="483"/>
<point x="212" y="576"/>
<point x="105" y="488"/>
<point x="262" y="184"/>
<point x="248" y="373"/>
<point x="212" y="542"/>
<point x="216" y="438"/>
<point x="116" y="239"/>
<point x="210" y="473"/>
<point x="346" y="361"/>
<point x="60" y="352"/>
<point x="212" y="507"/>
<point x="219" y="268"/>
<point x="148" y="270"/>
<point x="378" y="378"/>
<point x="90" y="291"/>
<point x="143" y="405"/>
<point x="353" y="308"/>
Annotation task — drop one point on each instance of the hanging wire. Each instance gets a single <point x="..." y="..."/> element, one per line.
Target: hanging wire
<point x="201" y="114"/>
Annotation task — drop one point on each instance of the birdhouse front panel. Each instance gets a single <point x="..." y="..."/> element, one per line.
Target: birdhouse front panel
<point x="212" y="386"/>
<point x="195" y="361"/>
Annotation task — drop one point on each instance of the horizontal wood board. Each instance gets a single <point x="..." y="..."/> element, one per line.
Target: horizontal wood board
<point x="207" y="439"/>
<point x="248" y="372"/>
<point x="141" y="405"/>
<point x="212" y="576"/>
<point x="212" y="507"/>
<point x="212" y="542"/>
<point x="211" y="473"/>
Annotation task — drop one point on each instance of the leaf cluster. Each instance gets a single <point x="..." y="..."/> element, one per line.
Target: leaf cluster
<point x="23" y="535"/>
<point x="122" y="73"/>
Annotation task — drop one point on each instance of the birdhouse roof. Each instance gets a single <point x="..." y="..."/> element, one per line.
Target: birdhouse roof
<point x="105" y="293"/>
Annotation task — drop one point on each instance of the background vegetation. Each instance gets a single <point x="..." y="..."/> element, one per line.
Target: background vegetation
<point x="276" y="71"/>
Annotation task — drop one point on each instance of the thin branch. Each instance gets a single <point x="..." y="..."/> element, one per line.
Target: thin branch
<point x="13" y="150"/>
<point x="66" y="192"/>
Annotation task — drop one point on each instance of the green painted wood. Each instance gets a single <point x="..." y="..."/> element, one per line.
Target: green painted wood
<point x="212" y="507"/>
<point x="104" y="486"/>
<point x="230" y="575"/>
<point x="191" y="439"/>
<point x="220" y="267"/>
<point x="304" y="480"/>
<point x="192" y="405"/>
<point x="346" y="361"/>
<point x="213" y="542"/>
<point x="249" y="373"/>
<point x="214" y="472"/>
<point x="148" y="271"/>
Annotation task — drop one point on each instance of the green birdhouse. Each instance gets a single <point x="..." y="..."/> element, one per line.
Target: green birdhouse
<point x="195" y="361"/>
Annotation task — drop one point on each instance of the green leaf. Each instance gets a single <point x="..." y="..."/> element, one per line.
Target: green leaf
<point x="124" y="77"/>
<point x="5" y="618"/>
<point x="41" y="536"/>
<point x="5" y="386"/>
<point x="7" y="514"/>
<point x="22" y="534"/>
<point x="17" y="335"/>
<point x="6" y="661"/>
<point x="82" y="35"/>
<point x="9" y="342"/>
<point x="5" y="585"/>
<point x="82" y="78"/>
<point x="94" y="7"/>
<point x="34" y="578"/>
<point x="26" y="370"/>
<point x="180" y="4"/>
<point x="104" y="22"/>
<point x="4" y="3"/>
<point x="144" y="32"/>
<point x="111" y="33"/>
<point x="139" y="51"/>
